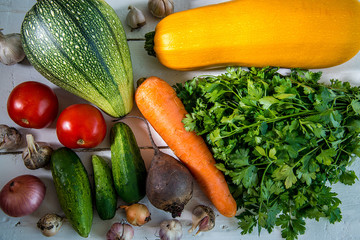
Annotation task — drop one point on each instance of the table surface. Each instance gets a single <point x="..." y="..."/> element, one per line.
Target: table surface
<point x="11" y="15"/>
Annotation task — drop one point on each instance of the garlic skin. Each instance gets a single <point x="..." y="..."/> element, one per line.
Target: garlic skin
<point x="10" y="137"/>
<point x="120" y="231"/>
<point x="50" y="224"/>
<point x="170" y="230"/>
<point x="135" y="18"/>
<point x="161" y="8"/>
<point x="203" y="217"/>
<point x="36" y="155"/>
<point x="11" y="50"/>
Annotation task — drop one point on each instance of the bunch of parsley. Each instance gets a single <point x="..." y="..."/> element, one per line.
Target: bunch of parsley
<point x="281" y="141"/>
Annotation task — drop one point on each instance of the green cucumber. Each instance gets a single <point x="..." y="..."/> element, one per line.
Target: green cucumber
<point x="81" y="46"/>
<point x="73" y="189"/>
<point x="105" y="194"/>
<point x="128" y="167"/>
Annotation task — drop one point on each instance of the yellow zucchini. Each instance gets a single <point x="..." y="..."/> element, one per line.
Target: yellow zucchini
<point x="296" y="33"/>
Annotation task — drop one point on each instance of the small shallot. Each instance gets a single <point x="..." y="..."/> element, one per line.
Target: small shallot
<point x="203" y="217"/>
<point x="10" y="137"/>
<point x="137" y="214"/>
<point x="170" y="230"/>
<point x="36" y="155"/>
<point x="50" y="224"/>
<point x="120" y="231"/>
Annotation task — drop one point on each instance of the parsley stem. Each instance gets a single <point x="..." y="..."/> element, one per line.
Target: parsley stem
<point x="230" y="90"/>
<point x="272" y="120"/>
<point x="262" y="183"/>
<point x="308" y="112"/>
<point x="308" y="153"/>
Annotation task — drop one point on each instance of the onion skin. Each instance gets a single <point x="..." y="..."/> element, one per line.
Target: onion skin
<point x="137" y="214"/>
<point x="22" y="195"/>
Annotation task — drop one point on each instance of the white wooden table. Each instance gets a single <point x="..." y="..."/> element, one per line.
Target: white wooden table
<point x="11" y="15"/>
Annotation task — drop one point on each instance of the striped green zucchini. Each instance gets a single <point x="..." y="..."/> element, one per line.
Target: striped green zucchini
<point x="81" y="46"/>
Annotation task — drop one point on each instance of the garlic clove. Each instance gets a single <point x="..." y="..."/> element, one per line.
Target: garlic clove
<point x="10" y="137"/>
<point x="11" y="50"/>
<point x="135" y="18"/>
<point x="50" y="224"/>
<point x="161" y="8"/>
<point x="204" y="218"/>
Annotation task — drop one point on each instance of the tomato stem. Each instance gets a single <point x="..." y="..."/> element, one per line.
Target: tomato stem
<point x="24" y="120"/>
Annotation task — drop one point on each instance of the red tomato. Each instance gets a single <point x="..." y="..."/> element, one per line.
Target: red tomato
<point x="32" y="105"/>
<point x="81" y="126"/>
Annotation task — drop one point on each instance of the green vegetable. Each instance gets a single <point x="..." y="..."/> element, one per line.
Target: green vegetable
<point x="73" y="189"/>
<point x="128" y="167"/>
<point x="105" y="194"/>
<point x="281" y="141"/>
<point x="81" y="46"/>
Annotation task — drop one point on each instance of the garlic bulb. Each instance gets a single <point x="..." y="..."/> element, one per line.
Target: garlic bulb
<point x="161" y="8"/>
<point x="170" y="230"/>
<point x="10" y="137"/>
<point x="50" y="224"/>
<point x="120" y="231"/>
<point x="135" y="18"/>
<point x="36" y="155"/>
<point x="11" y="50"/>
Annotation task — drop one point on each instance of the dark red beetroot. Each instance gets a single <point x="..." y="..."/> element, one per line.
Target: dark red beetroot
<point x="169" y="184"/>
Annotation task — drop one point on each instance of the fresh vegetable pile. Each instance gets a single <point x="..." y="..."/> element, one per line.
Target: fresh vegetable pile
<point x="256" y="140"/>
<point x="281" y="141"/>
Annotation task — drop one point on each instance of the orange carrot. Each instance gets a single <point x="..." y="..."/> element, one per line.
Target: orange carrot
<point x="159" y="104"/>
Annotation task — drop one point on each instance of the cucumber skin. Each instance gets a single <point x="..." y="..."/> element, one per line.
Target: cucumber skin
<point x="128" y="167"/>
<point x="105" y="194"/>
<point x="73" y="189"/>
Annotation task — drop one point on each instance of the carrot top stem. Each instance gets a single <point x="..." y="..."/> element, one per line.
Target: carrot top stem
<point x="156" y="149"/>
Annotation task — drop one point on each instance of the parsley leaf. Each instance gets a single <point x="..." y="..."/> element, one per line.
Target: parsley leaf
<point x="281" y="140"/>
<point x="285" y="172"/>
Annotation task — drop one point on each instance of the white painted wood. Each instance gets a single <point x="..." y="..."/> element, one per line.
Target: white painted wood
<point x="11" y="165"/>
